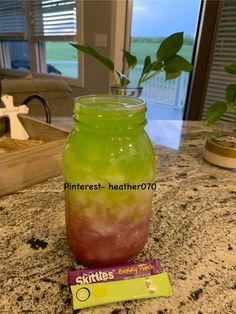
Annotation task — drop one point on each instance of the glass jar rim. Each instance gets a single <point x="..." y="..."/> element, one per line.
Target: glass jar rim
<point x="119" y="103"/>
<point x="127" y="87"/>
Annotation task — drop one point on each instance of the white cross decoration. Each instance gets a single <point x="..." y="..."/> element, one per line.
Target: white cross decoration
<point x="16" y="128"/>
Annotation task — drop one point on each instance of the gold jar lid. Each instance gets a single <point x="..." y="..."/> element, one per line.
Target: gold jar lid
<point x="223" y="145"/>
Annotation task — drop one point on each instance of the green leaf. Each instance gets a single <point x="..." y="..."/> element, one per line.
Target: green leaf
<point x="146" y="65"/>
<point x="170" y="46"/>
<point x="230" y="107"/>
<point x="172" y="75"/>
<point x="151" y="66"/>
<point x="230" y="93"/>
<point x="231" y="68"/>
<point x="92" y="52"/>
<point x="156" y="66"/>
<point x="124" y="81"/>
<point x="215" y="112"/>
<point x="120" y="75"/>
<point x="176" y="64"/>
<point x="131" y="60"/>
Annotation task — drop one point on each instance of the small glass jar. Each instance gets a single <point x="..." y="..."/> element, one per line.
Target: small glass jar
<point x="130" y="91"/>
<point x="109" y="164"/>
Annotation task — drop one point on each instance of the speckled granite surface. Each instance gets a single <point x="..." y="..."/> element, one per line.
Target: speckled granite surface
<point x="193" y="232"/>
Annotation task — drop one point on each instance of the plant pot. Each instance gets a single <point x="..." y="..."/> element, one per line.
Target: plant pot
<point x="220" y="150"/>
<point x="130" y="91"/>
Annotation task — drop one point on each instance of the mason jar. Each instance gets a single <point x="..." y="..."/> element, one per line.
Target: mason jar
<point x="109" y="164"/>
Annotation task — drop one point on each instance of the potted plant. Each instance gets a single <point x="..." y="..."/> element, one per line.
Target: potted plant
<point x="220" y="149"/>
<point x="167" y="60"/>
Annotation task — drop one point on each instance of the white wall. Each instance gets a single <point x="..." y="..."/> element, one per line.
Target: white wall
<point x="102" y="17"/>
<point x="97" y="20"/>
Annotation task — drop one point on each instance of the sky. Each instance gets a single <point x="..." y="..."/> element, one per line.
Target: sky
<point x="152" y="18"/>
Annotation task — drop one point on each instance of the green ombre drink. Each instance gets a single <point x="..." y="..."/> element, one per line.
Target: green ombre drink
<point x="109" y="165"/>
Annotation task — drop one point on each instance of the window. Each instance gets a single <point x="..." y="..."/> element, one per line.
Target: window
<point x="152" y="21"/>
<point x="224" y="54"/>
<point x="35" y="36"/>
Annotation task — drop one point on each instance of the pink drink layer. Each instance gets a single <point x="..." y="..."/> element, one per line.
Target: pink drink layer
<point x="87" y="276"/>
<point x="98" y="248"/>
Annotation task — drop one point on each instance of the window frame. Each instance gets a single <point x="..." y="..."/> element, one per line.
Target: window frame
<point x="36" y="50"/>
<point x="203" y="53"/>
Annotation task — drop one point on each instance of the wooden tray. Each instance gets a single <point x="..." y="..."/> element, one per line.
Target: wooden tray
<point x="34" y="164"/>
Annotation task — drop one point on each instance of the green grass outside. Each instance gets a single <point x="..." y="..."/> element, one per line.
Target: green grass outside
<point x="63" y="51"/>
<point x="60" y="51"/>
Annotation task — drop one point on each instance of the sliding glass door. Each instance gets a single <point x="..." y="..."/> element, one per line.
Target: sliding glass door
<point x="151" y="22"/>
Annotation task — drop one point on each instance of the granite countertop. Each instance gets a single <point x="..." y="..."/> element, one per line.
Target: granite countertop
<point x="192" y="233"/>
